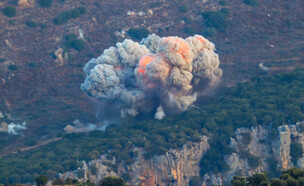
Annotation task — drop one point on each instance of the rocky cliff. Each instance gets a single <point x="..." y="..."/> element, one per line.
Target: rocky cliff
<point x="260" y="149"/>
<point x="256" y="149"/>
<point x="176" y="167"/>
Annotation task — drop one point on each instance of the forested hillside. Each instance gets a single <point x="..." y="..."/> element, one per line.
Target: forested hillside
<point x="269" y="101"/>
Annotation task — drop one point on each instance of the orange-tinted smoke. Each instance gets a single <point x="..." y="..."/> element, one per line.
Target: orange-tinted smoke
<point x="181" y="47"/>
<point x="200" y="39"/>
<point x="143" y="62"/>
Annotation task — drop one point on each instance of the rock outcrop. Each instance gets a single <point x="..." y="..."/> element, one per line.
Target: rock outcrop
<point x="260" y="149"/>
<point x="257" y="149"/>
<point x="176" y="167"/>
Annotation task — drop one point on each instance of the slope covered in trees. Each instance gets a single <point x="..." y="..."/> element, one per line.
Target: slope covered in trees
<point x="268" y="100"/>
<point x="290" y="177"/>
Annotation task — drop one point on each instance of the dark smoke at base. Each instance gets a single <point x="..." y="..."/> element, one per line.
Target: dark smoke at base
<point x="158" y="75"/>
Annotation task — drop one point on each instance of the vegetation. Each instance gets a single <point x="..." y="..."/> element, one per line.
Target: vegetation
<point x="71" y="14"/>
<point x="45" y="3"/>
<point x="208" y="32"/>
<point x="184" y="9"/>
<point x="9" y="11"/>
<point x="296" y="152"/>
<point x="34" y="64"/>
<point x="261" y="101"/>
<point x="41" y="180"/>
<point x="217" y="20"/>
<point x="291" y="177"/>
<point x="112" y="181"/>
<point x="138" y="33"/>
<point x="34" y="24"/>
<point x="12" y="67"/>
<point x="188" y="30"/>
<point x="251" y="2"/>
<point x="223" y="2"/>
<point x="31" y="23"/>
<point x="71" y="41"/>
<point x="2" y="60"/>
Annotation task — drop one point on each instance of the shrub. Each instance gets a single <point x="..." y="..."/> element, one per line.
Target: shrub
<point x="73" y="42"/>
<point x="188" y="20"/>
<point x="184" y="9"/>
<point x="33" y="64"/>
<point x="78" y="44"/>
<point x="9" y="11"/>
<point x="296" y="152"/>
<point x="278" y="182"/>
<point x="238" y="181"/>
<point x="42" y="25"/>
<point x="2" y="60"/>
<point x="41" y="180"/>
<point x="217" y="20"/>
<point x="258" y="179"/>
<point x="223" y="2"/>
<point x="31" y="23"/>
<point x="111" y="181"/>
<point x="12" y="67"/>
<point x="70" y="37"/>
<point x="208" y="32"/>
<point x="138" y="33"/>
<point x="45" y="3"/>
<point x="251" y="2"/>
<point x="188" y="30"/>
<point x="71" y="14"/>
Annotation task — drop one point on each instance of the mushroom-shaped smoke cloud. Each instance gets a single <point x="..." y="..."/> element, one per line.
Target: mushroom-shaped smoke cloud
<point x="159" y="74"/>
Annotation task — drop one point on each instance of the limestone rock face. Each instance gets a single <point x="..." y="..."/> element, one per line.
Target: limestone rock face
<point x="94" y="170"/>
<point x="257" y="149"/>
<point x="269" y="146"/>
<point x="176" y="167"/>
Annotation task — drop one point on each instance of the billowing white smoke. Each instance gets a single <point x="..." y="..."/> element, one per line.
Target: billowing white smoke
<point x="162" y="74"/>
<point x="12" y="128"/>
<point x="79" y="127"/>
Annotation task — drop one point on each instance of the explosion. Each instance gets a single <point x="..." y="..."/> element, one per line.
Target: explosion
<point x="161" y="74"/>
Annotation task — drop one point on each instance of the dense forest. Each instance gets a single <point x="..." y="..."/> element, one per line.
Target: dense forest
<point x="270" y="100"/>
<point x="292" y="177"/>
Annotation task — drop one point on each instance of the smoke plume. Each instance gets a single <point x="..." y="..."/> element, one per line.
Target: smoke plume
<point x="78" y="127"/>
<point x="158" y="74"/>
<point x="12" y="128"/>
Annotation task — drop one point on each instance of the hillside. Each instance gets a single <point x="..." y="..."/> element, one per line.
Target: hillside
<point x="246" y="36"/>
<point x="41" y="84"/>
<point x="262" y="101"/>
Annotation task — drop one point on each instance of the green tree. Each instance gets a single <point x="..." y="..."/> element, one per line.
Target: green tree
<point x="278" y="182"/>
<point x="12" y="67"/>
<point x="251" y="2"/>
<point x="9" y="11"/>
<point x="112" y="181"/>
<point x="258" y="179"/>
<point x="138" y="33"/>
<point x="78" y="44"/>
<point x="292" y="182"/>
<point x="41" y="180"/>
<point x="45" y="3"/>
<point x="296" y="152"/>
<point x="216" y="20"/>
<point x="238" y="181"/>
